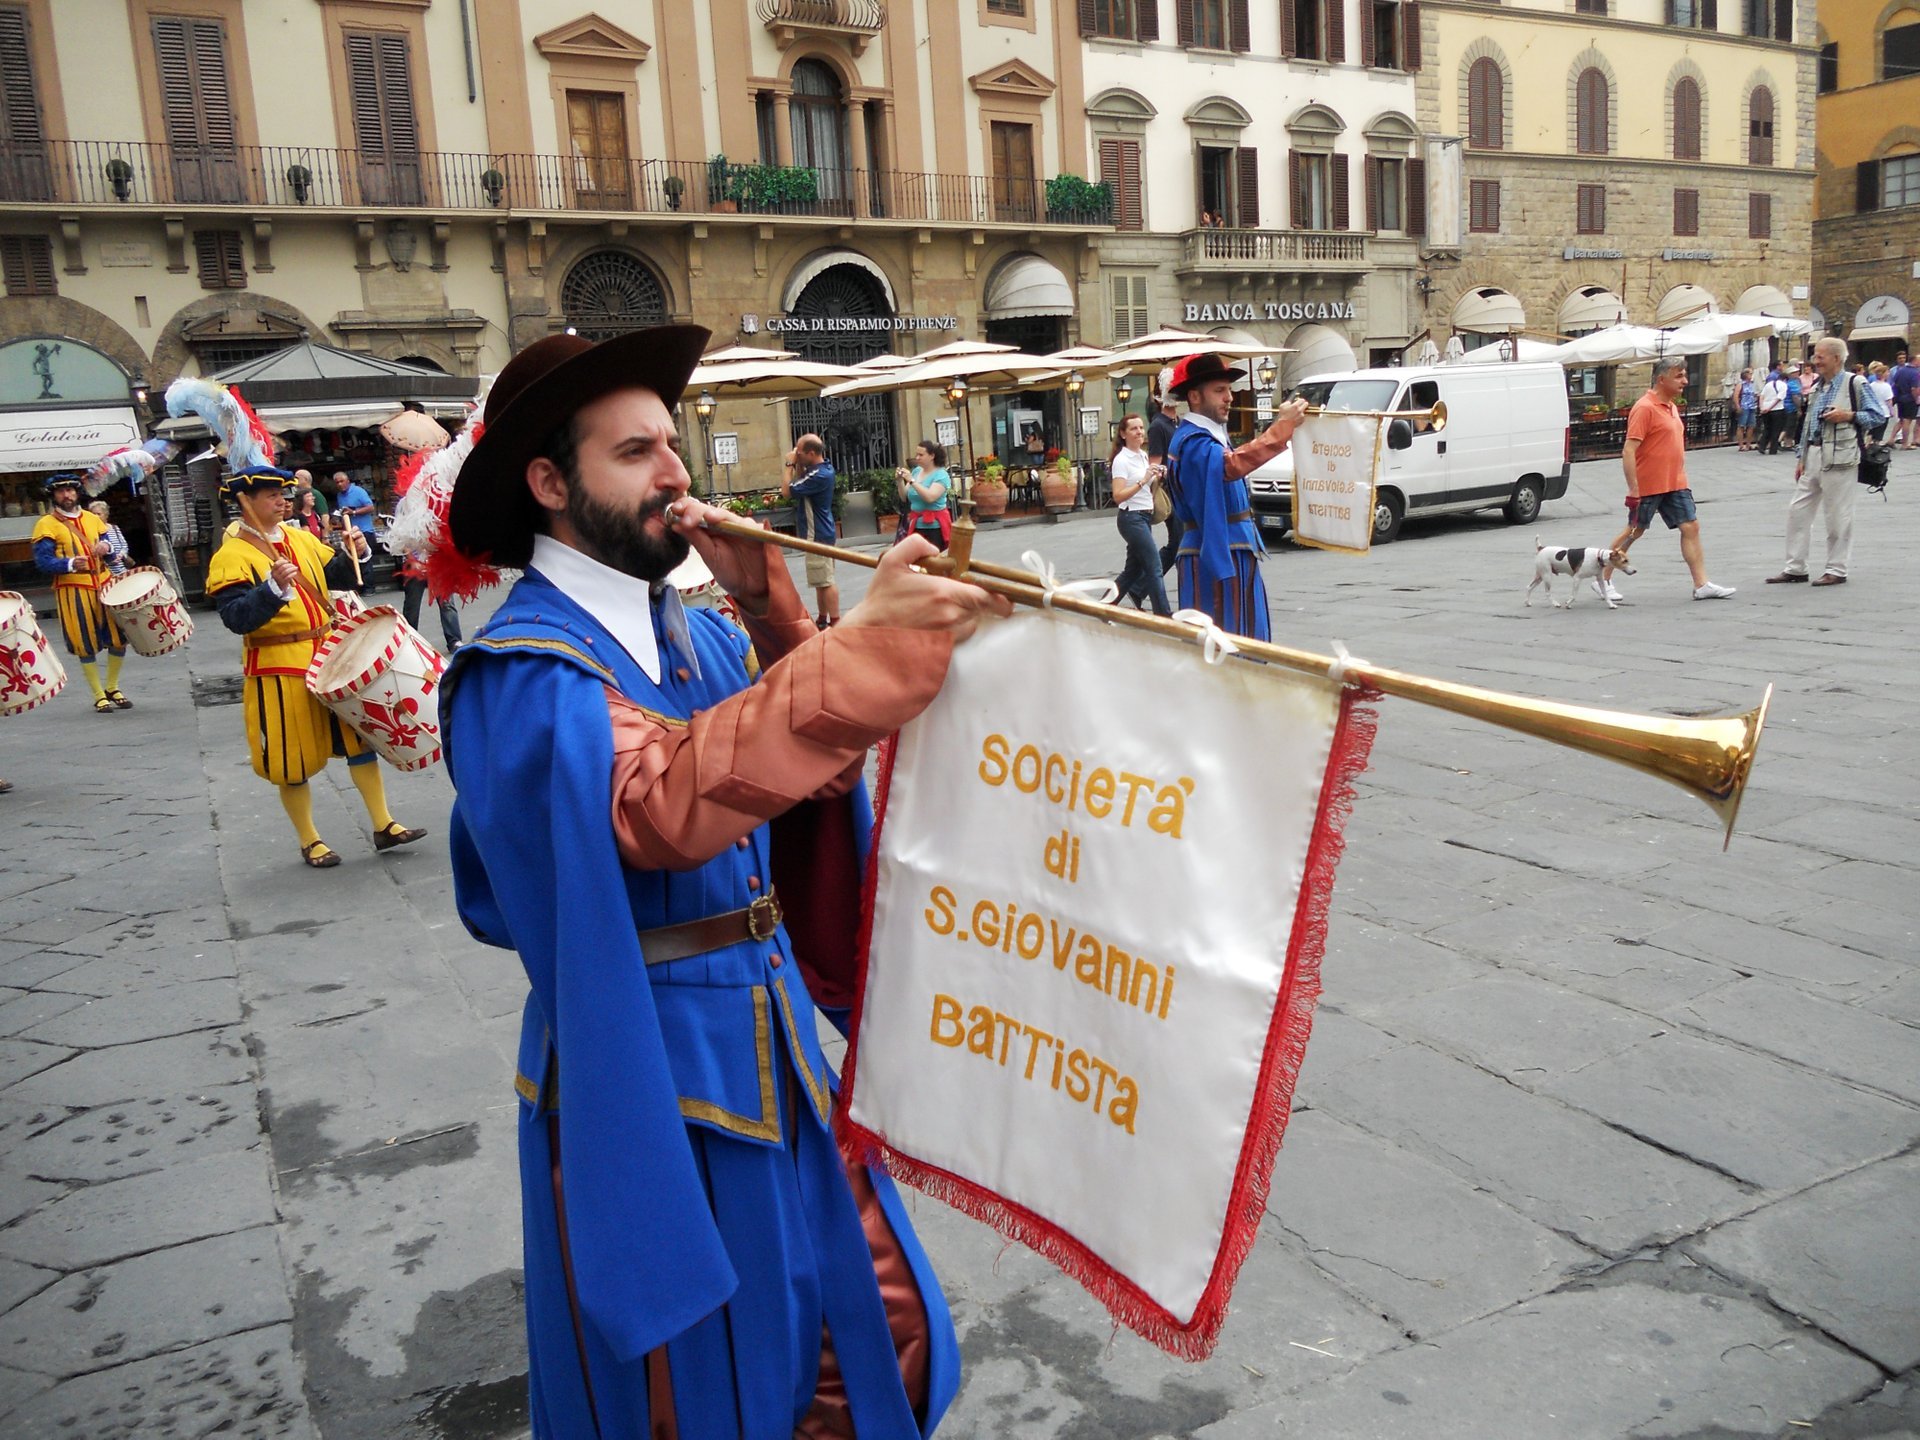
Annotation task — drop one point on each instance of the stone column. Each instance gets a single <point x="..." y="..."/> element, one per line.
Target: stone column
<point x="857" y="178"/>
<point x="782" y="128"/>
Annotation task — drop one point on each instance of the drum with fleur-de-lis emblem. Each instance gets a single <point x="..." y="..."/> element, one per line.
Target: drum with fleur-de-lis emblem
<point x="147" y="611"/>
<point x="30" y="673"/>
<point x="379" y="676"/>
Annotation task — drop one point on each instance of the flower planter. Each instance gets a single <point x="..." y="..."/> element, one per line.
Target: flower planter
<point x="989" y="499"/>
<point x="1058" y="492"/>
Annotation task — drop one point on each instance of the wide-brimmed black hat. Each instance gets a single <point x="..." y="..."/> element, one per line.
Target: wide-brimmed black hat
<point x="493" y="516"/>
<point x="1198" y="369"/>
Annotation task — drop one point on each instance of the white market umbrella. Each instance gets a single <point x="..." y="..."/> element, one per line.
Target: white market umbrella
<point x="1428" y="353"/>
<point x="734" y="354"/>
<point x="1727" y="329"/>
<point x="1614" y="345"/>
<point x="1456" y="347"/>
<point x="773" y="379"/>
<point x="1147" y="357"/>
<point x="1168" y="337"/>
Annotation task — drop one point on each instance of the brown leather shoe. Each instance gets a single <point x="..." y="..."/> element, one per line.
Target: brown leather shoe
<point x="396" y="834"/>
<point x="318" y="857"/>
<point x="1786" y="578"/>
<point x="1831" y="580"/>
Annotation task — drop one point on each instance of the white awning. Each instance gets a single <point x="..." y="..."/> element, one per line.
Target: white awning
<point x="1317" y="350"/>
<point x="1027" y="285"/>
<point x="286" y="419"/>
<point x="1591" y="307"/>
<point x="1884" y="317"/>
<point x="1683" y="303"/>
<point x="1488" y="311"/>
<point x="1877" y="332"/>
<point x="1764" y="300"/>
<point x="34" y="440"/>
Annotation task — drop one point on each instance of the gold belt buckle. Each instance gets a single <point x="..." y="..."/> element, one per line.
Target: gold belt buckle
<point x="763" y="917"/>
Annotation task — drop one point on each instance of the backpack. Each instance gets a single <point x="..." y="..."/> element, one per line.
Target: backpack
<point x="1876" y="460"/>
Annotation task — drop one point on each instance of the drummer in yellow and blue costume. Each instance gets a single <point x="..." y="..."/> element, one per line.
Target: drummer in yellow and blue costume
<point x="70" y="544"/>
<point x="270" y="583"/>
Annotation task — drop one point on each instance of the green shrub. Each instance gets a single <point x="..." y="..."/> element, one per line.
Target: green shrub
<point x="1072" y="200"/>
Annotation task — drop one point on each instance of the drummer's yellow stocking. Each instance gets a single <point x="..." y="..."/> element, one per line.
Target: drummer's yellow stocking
<point x="297" y="801"/>
<point x="92" y="671"/>
<point x="113" y="670"/>
<point x="373" y="790"/>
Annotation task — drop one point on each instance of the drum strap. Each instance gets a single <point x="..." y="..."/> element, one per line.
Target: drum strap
<point x="299" y="579"/>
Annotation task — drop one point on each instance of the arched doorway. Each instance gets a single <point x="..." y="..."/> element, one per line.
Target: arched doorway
<point x="859" y="429"/>
<point x="610" y="292"/>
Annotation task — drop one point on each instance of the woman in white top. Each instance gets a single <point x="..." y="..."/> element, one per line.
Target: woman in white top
<point x="1878" y="382"/>
<point x="1134" y="478"/>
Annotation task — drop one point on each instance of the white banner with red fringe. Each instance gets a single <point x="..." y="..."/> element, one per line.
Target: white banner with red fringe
<point x="1336" y="460"/>
<point x="1097" y="906"/>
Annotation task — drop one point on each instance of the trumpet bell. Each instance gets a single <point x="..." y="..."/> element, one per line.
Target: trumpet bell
<point x="1439" y="415"/>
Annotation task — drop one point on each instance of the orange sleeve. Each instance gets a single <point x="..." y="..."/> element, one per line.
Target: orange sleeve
<point x="684" y="791"/>
<point x="1245" y="459"/>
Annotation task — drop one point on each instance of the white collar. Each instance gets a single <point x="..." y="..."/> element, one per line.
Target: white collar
<point x="1212" y="426"/>
<point x="621" y="603"/>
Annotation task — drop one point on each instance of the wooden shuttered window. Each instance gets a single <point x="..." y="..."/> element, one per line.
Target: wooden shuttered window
<point x="1289" y="17"/>
<point x="1410" y="35"/>
<point x="1120" y="169"/>
<point x="196" y="108"/>
<point x="1088" y="24"/>
<point x="27" y="262"/>
<point x="1342" y="216"/>
<point x="1132" y="316"/>
<point x="1591" y="210"/>
<point x="1373" y="192"/>
<point x="1297" y="189"/>
<point x="1183" y="22"/>
<point x="1759" y="217"/>
<point x="1483" y="207"/>
<point x="1239" y="26"/>
<point x="1146" y="19"/>
<point x="1686" y="119"/>
<point x="1246" y="188"/>
<point x="1760" y="127"/>
<point x="386" y="129"/>
<point x="24" y="174"/>
<point x="1416" y="197"/>
<point x="219" y="262"/>
<point x="1686" y="212"/>
<point x="1335" y="20"/>
<point x="1486" y="105"/>
<point x="1590" y="122"/>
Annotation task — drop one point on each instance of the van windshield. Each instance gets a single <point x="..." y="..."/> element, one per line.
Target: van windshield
<point x="1350" y="394"/>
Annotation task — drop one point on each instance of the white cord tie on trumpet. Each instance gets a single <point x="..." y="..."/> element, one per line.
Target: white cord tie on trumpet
<point x="1337" y="672"/>
<point x="1101" y="592"/>
<point x="1215" y="643"/>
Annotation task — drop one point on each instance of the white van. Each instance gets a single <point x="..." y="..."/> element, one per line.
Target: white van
<point x="1506" y="444"/>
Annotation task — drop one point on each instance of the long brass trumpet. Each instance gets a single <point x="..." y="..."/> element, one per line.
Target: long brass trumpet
<point x="1709" y="757"/>
<point x="1435" y="414"/>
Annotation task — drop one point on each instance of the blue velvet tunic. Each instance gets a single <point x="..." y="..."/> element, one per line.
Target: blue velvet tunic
<point x="707" y="1208"/>
<point x="1219" y="557"/>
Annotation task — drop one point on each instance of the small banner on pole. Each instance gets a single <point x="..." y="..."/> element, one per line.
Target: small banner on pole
<point x="1097" y="906"/>
<point x="1335" y="460"/>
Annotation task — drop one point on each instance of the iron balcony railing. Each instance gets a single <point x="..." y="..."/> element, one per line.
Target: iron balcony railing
<point x="1230" y="248"/>
<point x="866" y="16"/>
<point x="109" y="172"/>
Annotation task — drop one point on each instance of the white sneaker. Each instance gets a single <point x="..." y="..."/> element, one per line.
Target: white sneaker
<point x="1612" y="592"/>
<point x="1711" y="591"/>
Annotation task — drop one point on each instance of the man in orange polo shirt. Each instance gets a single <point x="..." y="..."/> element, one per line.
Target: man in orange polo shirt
<point x="1656" y="466"/>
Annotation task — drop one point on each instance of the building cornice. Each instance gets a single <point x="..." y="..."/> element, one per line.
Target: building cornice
<point x="1653" y="28"/>
<point x="1559" y="157"/>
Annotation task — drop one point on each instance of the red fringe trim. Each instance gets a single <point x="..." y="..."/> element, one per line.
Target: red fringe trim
<point x="1285" y="1050"/>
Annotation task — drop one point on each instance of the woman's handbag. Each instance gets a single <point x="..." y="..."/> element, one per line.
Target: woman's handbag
<point x="1162" y="504"/>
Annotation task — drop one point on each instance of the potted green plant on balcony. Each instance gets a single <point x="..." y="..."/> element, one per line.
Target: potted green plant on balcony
<point x="720" y="185"/>
<point x="300" y="181"/>
<point x="119" y="175"/>
<point x="1072" y="200"/>
<point x="673" y="187"/>
<point x="493" y="184"/>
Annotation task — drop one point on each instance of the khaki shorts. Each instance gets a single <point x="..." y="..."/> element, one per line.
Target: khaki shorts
<point x="820" y="571"/>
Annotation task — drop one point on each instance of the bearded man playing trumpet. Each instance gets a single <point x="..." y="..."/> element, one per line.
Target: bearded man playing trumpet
<point x="1219" y="556"/>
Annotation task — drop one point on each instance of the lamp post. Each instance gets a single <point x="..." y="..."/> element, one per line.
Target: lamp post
<point x="956" y="393"/>
<point x="1076" y="383"/>
<point x="1122" y="393"/>
<point x="704" y="408"/>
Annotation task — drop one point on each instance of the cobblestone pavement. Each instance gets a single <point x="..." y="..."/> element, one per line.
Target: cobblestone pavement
<point x="1601" y="1132"/>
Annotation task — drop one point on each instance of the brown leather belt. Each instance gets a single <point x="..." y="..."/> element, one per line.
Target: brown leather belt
<point x="1235" y="519"/>
<point x="257" y="641"/>
<point x="697" y="937"/>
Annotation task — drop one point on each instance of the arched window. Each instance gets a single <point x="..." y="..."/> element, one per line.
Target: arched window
<point x="1486" y="105"/>
<point x="609" y="293"/>
<point x="1590" y="96"/>
<point x="1760" y="127"/>
<point x="819" y="118"/>
<point x="1686" y="120"/>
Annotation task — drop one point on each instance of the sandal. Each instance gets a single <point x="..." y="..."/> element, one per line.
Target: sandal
<point x="103" y="706"/>
<point x="396" y="834"/>
<point x="120" y="702"/>
<point x="318" y="856"/>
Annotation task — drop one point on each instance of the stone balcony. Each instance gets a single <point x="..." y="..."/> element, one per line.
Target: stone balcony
<point x="1233" y="251"/>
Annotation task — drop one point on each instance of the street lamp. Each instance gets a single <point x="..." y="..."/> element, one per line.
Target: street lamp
<point x="704" y="408"/>
<point x="1076" y="383"/>
<point x="1266" y="372"/>
<point x="956" y="393"/>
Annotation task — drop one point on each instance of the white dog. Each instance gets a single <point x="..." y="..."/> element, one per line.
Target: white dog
<point x="1579" y="563"/>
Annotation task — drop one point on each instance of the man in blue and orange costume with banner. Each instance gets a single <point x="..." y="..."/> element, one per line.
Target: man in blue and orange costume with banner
<point x="1219" y="556"/>
<point x="70" y="545"/>
<point x="270" y="584"/>
<point x="676" y="852"/>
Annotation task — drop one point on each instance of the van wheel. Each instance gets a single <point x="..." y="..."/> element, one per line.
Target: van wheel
<point x="1524" y="508"/>
<point x="1388" y="511"/>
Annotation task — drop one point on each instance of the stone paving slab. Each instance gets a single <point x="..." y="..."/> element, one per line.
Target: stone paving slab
<point x="1845" y="1254"/>
<point x="1560" y="1168"/>
<point x="1845" y="1041"/>
<point x="126" y="1072"/>
<point x="214" y="1195"/>
<point x="1590" y="1365"/>
<point x="245" y="1385"/>
<point x="181" y="1009"/>
<point x="111" y="1142"/>
<point x="1750" y="1116"/>
<point x="1818" y="966"/>
<point x="152" y="1303"/>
